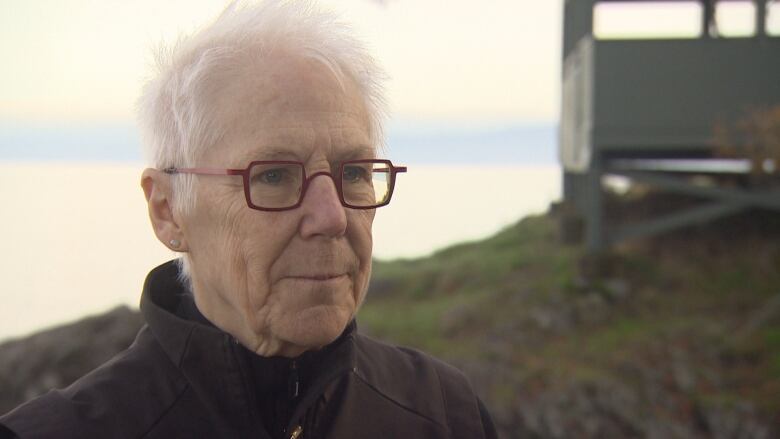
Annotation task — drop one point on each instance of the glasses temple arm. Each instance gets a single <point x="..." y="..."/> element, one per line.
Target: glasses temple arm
<point x="394" y="169"/>
<point x="203" y="171"/>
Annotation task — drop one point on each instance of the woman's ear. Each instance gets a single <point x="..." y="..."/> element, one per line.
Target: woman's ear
<point x="157" y="189"/>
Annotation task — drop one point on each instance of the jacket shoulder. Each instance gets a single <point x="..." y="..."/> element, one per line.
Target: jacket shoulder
<point x="420" y="383"/>
<point x="390" y="361"/>
<point x="122" y="398"/>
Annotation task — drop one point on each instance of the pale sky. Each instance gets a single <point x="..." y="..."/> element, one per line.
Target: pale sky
<point x="85" y="61"/>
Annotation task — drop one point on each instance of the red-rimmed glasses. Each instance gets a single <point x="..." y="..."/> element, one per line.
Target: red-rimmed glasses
<point x="281" y="185"/>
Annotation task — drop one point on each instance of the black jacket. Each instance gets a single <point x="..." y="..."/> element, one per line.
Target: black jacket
<point x="183" y="378"/>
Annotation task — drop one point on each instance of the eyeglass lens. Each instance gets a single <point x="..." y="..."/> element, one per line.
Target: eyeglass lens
<point x="279" y="186"/>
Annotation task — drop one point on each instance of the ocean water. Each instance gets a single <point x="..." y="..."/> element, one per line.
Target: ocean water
<point x="76" y="238"/>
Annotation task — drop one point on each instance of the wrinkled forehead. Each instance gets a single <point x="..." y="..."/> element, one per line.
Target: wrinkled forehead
<point x="290" y="102"/>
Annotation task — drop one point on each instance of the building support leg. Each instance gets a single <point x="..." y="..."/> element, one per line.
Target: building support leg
<point x="594" y="233"/>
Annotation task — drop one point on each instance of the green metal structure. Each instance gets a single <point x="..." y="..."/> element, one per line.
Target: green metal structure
<point x="646" y="109"/>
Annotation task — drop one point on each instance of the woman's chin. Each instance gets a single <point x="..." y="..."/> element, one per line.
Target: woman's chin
<point x="315" y="327"/>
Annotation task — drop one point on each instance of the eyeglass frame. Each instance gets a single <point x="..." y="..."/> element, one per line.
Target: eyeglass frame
<point x="304" y="186"/>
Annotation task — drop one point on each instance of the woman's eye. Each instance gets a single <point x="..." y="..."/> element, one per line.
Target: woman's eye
<point x="353" y="173"/>
<point x="272" y="176"/>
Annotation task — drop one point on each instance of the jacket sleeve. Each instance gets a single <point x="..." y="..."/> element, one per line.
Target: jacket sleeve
<point x="6" y="433"/>
<point x="487" y="421"/>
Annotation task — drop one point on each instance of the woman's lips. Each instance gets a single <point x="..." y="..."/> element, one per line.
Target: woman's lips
<point x="318" y="277"/>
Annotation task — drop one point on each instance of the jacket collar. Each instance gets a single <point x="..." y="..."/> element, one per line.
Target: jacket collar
<point x="215" y="365"/>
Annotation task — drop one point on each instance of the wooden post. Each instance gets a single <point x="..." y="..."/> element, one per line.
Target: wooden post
<point x="708" y="24"/>
<point x="594" y="239"/>
<point x="761" y="6"/>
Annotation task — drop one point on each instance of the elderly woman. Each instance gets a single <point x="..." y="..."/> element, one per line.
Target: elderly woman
<point x="263" y="129"/>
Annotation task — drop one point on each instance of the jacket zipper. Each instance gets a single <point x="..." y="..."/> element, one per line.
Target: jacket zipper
<point x="296" y="432"/>
<point x="295" y="429"/>
<point x="293" y="390"/>
<point x="293" y="383"/>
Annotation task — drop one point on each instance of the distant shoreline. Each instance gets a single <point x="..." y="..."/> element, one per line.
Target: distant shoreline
<point x="421" y="142"/>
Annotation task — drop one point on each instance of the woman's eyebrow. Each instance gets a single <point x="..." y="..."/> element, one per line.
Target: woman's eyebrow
<point x="274" y="153"/>
<point x="360" y="152"/>
<point x="340" y="153"/>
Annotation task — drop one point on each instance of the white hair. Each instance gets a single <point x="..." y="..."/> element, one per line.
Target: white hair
<point x="175" y="115"/>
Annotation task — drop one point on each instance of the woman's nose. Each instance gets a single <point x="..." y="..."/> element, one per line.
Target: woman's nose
<point x="324" y="215"/>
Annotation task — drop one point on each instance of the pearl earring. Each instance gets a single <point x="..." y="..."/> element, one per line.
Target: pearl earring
<point x="174" y="243"/>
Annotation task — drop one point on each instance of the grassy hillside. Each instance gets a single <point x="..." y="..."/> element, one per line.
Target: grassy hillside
<point x="678" y="337"/>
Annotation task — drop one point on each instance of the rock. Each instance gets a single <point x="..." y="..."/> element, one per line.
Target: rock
<point x="555" y="317"/>
<point x="591" y="309"/>
<point x="56" y="357"/>
<point x="735" y="422"/>
<point x="616" y="289"/>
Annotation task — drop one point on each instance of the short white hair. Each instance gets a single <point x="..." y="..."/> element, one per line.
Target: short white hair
<point x="176" y="120"/>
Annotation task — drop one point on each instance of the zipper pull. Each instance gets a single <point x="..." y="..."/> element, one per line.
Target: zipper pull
<point x="294" y="385"/>
<point x="296" y="433"/>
